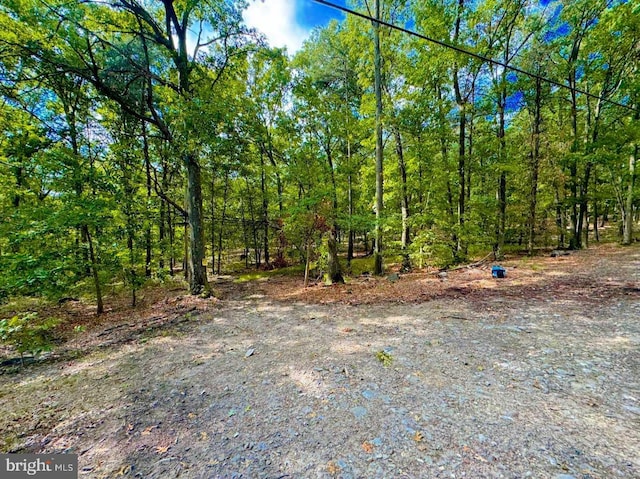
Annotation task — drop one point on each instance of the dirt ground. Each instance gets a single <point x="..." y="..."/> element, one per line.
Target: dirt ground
<point x="536" y="375"/>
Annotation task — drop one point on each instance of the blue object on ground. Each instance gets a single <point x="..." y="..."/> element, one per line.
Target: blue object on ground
<point x="498" y="272"/>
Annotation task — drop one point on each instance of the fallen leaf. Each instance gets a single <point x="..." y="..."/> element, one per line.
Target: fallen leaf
<point x="162" y="449"/>
<point x="204" y="436"/>
<point x="191" y="415"/>
<point x="348" y="330"/>
<point x="333" y="468"/>
<point x="124" y="470"/>
<point x="148" y="430"/>
<point x="367" y="447"/>
<point x="418" y="437"/>
<point x="198" y="360"/>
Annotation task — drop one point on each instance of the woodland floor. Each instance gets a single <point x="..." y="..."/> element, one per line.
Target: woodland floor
<point x="536" y="375"/>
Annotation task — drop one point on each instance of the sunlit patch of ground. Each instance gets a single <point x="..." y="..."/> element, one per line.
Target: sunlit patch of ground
<point x="535" y="375"/>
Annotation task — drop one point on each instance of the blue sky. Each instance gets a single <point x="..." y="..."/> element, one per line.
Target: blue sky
<point x="289" y="22"/>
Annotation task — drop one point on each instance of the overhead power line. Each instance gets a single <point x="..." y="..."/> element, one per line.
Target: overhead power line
<point x="470" y="53"/>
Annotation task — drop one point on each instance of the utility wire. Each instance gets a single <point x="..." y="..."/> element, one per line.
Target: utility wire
<point x="470" y="53"/>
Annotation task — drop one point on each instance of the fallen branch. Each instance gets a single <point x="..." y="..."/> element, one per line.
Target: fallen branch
<point x="467" y="266"/>
<point x="455" y="317"/>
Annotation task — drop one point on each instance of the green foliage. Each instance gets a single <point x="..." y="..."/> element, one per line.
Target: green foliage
<point x="384" y="357"/>
<point x="429" y="249"/>
<point x="99" y="146"/>
<point x="27" y="333"/>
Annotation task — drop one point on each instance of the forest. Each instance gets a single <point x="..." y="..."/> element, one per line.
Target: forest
<point x="146" y="139"/>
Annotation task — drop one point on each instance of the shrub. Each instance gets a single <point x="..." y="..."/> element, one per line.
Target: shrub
<point x="27" y="333"/>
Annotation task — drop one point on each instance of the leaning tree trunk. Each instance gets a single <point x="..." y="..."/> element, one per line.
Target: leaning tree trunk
<point x="94" y="269"/>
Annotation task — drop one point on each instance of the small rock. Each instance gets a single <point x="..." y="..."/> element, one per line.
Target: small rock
<point x="633" y="409"/>
<point x="368" y="394"/>
<point x="359" y="412"/>
<point x="393" y="277"/>
<point x="249" y="352"/>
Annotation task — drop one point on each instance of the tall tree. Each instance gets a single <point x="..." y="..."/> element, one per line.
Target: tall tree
<point x="114" y="46"/>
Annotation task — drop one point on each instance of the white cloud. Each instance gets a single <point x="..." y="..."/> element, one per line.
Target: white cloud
<point x="277" y="20"/>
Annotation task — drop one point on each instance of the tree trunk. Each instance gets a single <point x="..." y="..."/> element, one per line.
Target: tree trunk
<point x="560" y="218"/>
<point x="575" y="240"/>
<point x="584" y="200"/>
<point x="307" y="262"/>
<point x="244" y="236"/>
<point x="198" y="283"/>
<point x="469" y="153"/>
<point x="351" y="232"/>
<point x="335" y="271"/>
<point x="94" y="270"/>
<point x="147" y="231"/>
<point x="212" y="208"/>
<point x="627" y="235"/>
<point x="378" y="263"/>
<point x="461" y="248"/>
<point x="185" y="250"/>
<point x="172" y="240"/>
<point x="223" y="219"/>
<point x="161" y="234"/>
<point x="256" y="249"/>
<point x="535" y="166"/>
<point x="165" y="220"/>
<point x="132" y="263"/>
<point x="501" y="193"/>
<point x="404" y="201"/>
<point x="265" y="209"/>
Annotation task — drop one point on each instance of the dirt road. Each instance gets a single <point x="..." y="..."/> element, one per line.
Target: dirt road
<point x="519" y="380"/>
